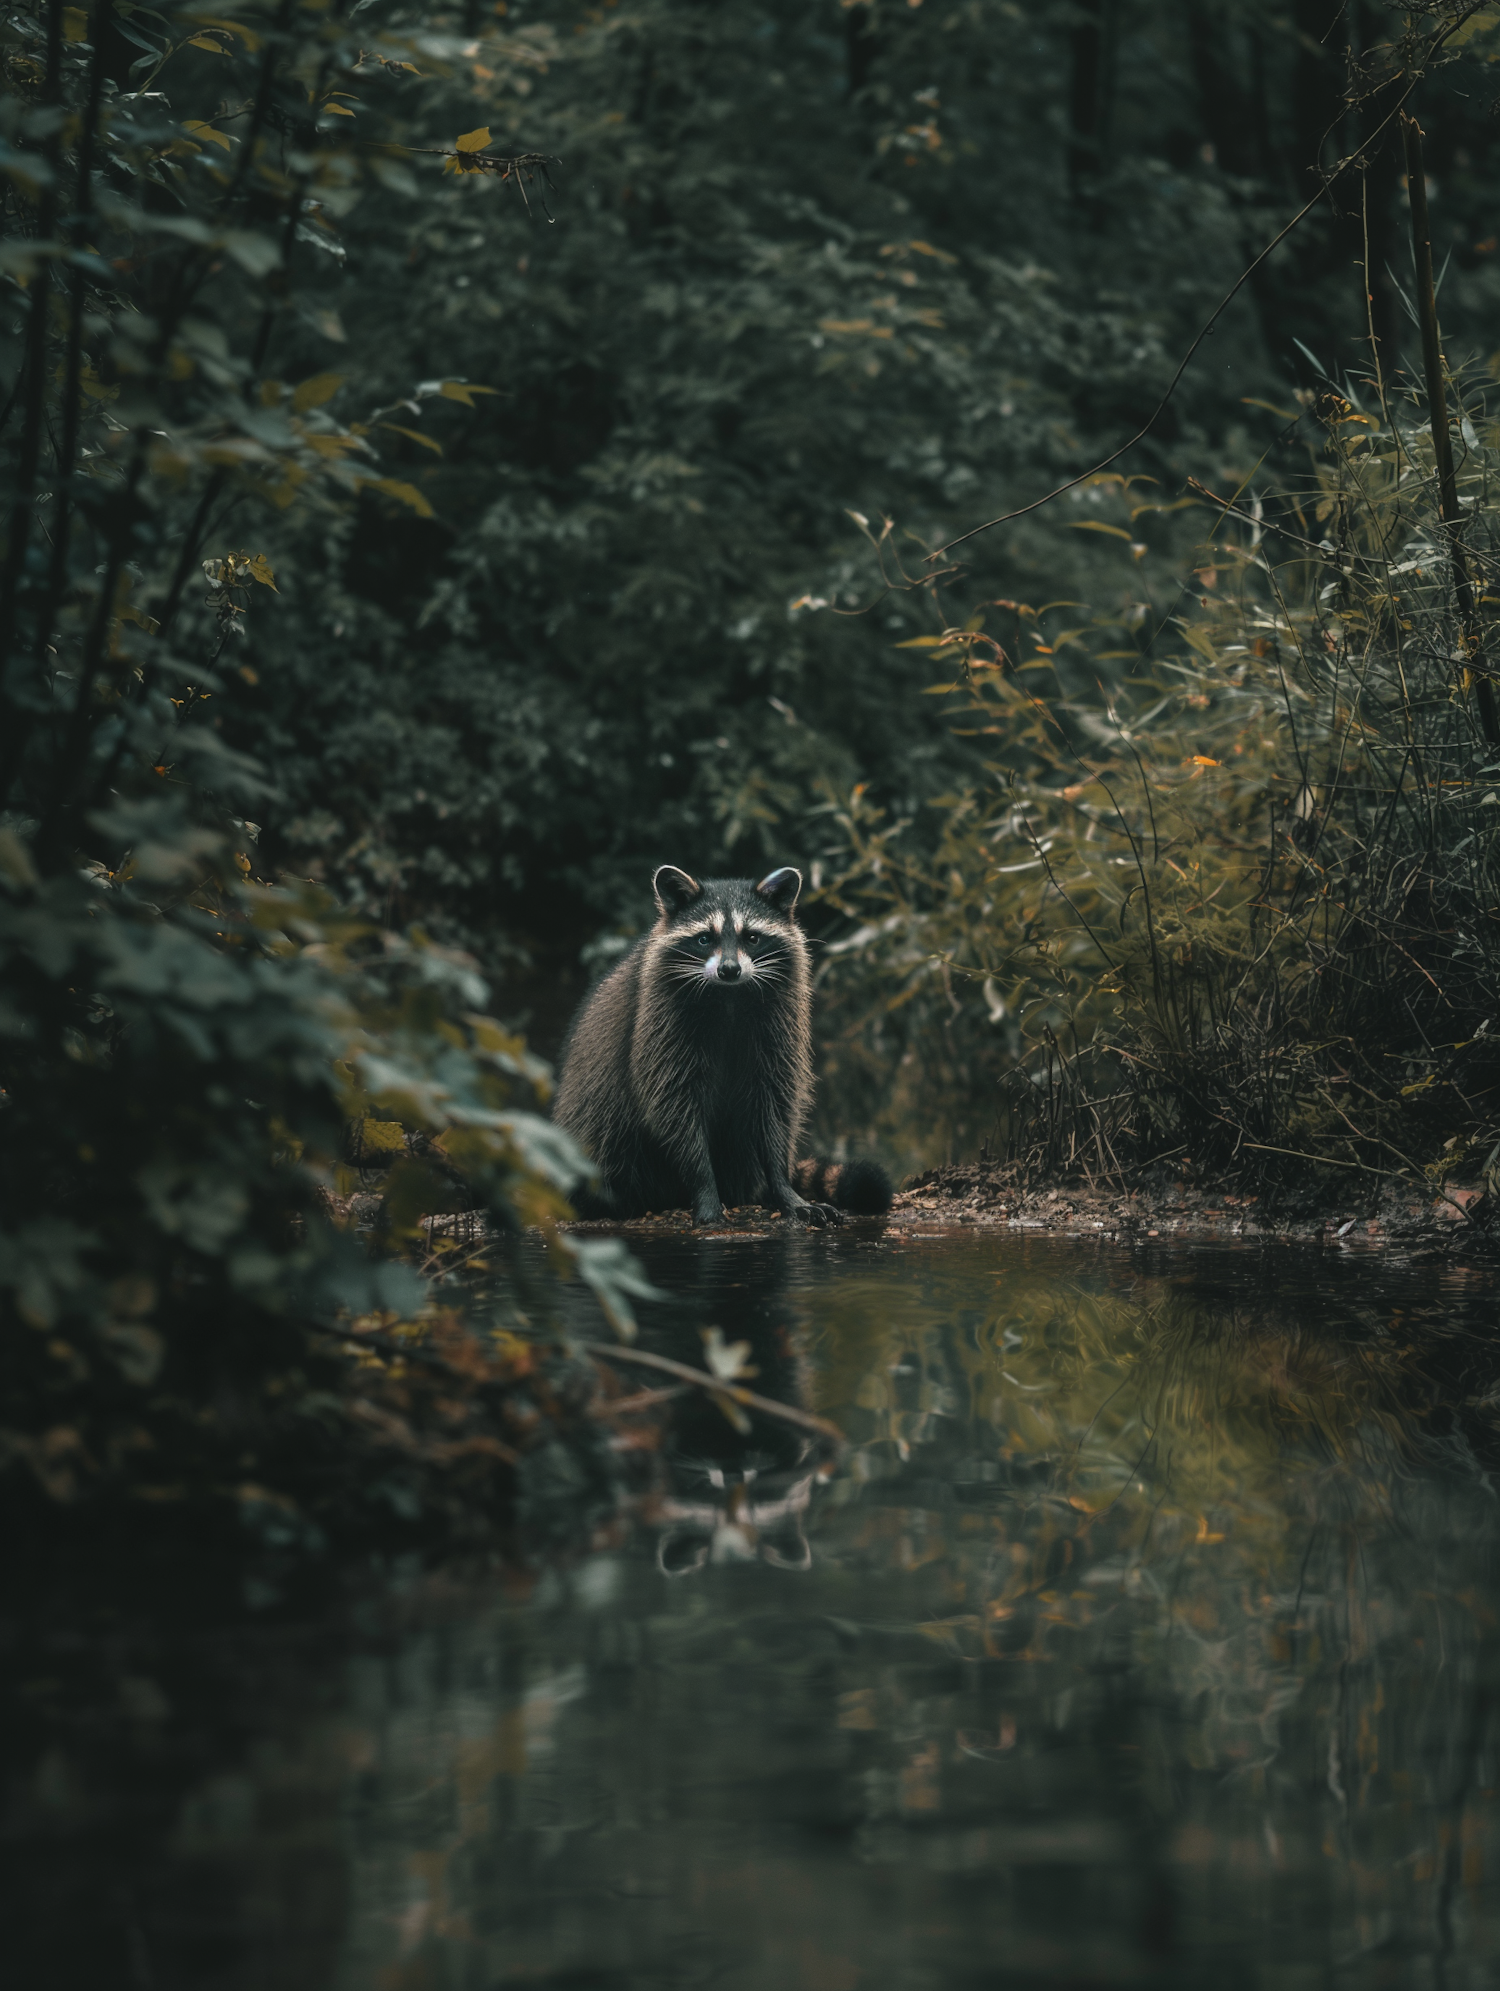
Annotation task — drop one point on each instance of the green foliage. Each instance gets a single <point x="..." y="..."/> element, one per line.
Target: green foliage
<point x="1235" y="916"/>
<point x="766" y="304"/>
<point x="808" y="261"/>
<point x="182" y="1047"/>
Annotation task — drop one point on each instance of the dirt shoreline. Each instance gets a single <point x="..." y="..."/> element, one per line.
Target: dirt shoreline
<point x="1400" y="1215"/>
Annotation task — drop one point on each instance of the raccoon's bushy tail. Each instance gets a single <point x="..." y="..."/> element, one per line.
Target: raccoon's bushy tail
<point x="861" y="1187"/>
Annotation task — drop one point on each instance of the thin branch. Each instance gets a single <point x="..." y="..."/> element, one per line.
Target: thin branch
<point x="1435" y="368"/>
<point x="764" y="1406"/>
<point x="39" y="294"/>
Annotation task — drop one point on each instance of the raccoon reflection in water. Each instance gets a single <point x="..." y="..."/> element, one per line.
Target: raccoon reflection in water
<point x="739" y="1488"/>
<point x="687" y="1074"/>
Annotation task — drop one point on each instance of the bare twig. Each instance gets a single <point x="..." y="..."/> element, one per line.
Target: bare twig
<point x="643" y="1400"/>
<point x="764" y="1406"/>
<point x="1434" y="367"/>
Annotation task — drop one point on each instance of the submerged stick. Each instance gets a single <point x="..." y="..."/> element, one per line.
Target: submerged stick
<point x="1442" y="443"/>
<point x="765" y="1406"/>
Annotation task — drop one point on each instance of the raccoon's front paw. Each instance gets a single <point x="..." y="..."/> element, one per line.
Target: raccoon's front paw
<point x="817" y="1216"/>
<point x="708" y="1210"/>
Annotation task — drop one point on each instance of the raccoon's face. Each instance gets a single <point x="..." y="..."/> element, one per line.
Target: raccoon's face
<point x="738" y="1522"/>
<point x="728" y="932"/>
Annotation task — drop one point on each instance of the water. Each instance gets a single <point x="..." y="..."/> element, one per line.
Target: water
<point x="1145" y="1636"/>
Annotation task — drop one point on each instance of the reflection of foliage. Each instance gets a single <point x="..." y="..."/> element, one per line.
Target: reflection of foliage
<point x="1235" y="1493"/>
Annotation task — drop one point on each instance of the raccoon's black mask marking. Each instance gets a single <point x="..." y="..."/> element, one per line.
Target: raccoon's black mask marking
<point x="726" y="932"/>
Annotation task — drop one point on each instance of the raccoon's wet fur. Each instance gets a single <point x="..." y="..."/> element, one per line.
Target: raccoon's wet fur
<point x="687" y="1074"/>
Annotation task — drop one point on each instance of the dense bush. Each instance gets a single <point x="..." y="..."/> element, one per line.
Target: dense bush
<point x="1236" y="919"/>
<point x="181" y="1047"/>
<point x="808" y="261"/>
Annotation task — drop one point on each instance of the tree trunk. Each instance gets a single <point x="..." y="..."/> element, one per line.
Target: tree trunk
<point x="859" y="46"/>
<point x="1317" y="86"/>
<point x="1382" y="206"/>
<point x="1224" y="112"/>
<point x="1086" y="99"/>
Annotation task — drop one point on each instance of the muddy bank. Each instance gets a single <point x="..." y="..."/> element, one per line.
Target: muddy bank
<point x="1400" y="1213"/>
<point x="1404" y="1215"/>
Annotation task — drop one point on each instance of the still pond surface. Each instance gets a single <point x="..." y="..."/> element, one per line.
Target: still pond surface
<point x="1146" y="1635"/>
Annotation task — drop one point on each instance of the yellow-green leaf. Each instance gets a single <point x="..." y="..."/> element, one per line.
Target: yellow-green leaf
<point x="200" y="130"/>
<point x="382" y="1136"/>
<point x="313" y="393"/>
<point x="473" y="141"/>
<point x="15" y="859"/>
<point x="262" y="571"/>
<point x="413" y="1191"/>
<point x="406" y="494"/>
<point x="202" y="41"/>
<point x="1098" y="525"/>
<point x="460" y="390"/>
<point x="928" y="643"/>
<point x="414" y="435"/>
<point x="1477" y="24"/>
<point x="75" y="24"/>
<point x="331" y="446"/>
<point x="247" y="35"/>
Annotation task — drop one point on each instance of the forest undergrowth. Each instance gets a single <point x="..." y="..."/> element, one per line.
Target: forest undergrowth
<point x="197" y="1060"/>
<point x="1225" y="908"/>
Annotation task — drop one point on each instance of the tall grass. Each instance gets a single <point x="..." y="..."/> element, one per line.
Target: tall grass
<point x="1225" y="898"/>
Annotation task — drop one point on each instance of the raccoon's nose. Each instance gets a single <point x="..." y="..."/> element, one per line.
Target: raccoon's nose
<point x="729" y="971"/>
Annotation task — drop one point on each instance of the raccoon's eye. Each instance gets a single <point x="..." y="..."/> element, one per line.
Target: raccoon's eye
<point x="751" y="938"/>
<point x="703" y="940"/>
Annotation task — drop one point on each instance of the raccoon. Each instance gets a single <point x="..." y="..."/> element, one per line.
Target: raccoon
<point x="687" y="1074"/>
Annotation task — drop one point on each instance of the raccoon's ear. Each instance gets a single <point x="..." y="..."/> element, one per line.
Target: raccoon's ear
<point x="780" y="889"/>
<point x="675" y="890"/>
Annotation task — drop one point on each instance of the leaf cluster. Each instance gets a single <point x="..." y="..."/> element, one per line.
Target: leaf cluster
<point x="1232" y="915"/>
<point x="183" y="1046"/>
